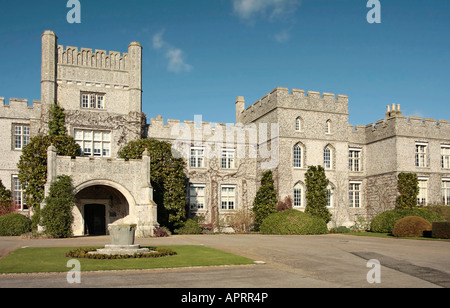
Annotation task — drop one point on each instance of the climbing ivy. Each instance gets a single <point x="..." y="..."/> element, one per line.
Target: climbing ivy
<point x="167" y="178"/>
<point x="408" y="187"/>
<point x="33" y="161"/>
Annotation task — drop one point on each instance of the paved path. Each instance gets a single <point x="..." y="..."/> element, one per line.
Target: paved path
<point x="290" y="262"/>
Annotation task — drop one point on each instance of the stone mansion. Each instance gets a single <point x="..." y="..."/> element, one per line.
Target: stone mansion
<point x="285" y="131"/>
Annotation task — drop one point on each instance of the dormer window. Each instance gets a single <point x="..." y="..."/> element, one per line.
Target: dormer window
<point x="92" y="100"/>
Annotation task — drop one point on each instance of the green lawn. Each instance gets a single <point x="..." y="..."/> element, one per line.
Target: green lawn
<point x="42" y="260"/>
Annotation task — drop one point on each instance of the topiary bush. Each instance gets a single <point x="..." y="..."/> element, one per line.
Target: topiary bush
<point x="57" y="217"/>
<point x="14" y="224"/>
<point x="293" y="222"/>
<point x="265" y="201"/>
<point x="411" y="226"/>
<point x="385" y="222"/>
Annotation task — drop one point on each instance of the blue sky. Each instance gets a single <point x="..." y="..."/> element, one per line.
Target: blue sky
<point x="199" y="55"/>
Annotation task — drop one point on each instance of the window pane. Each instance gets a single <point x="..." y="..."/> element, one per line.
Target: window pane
<point x="87" y="148"/>
<point x="106" y="136"/>
<point x="17" y="142"/>
<point x="88" y="135"/>
<point x="78" y="135"/>
<point x="297" y="195"/>
<point x="106" y="150"/>
<point x="297" y="156"/>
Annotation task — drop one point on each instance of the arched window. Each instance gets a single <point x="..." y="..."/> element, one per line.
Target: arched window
<point x="299" y="195"/>
<point x="298" y="156"/>
<point x="327" y="158"/>
<point x="328" y="127"/>
<point x="298" y="124"/>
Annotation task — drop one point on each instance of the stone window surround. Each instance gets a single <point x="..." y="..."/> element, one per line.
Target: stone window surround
<point x="17" y="189"/>
<point x="299" y="195"/>
<point x="228" y="199"/>
<point x="352" y="159"/>
<point x="445" y="157"/>
<point x="195" y="207"/>
<point x="355" y="193"/>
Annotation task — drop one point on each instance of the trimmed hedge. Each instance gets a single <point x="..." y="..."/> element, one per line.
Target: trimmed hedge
<point x="14" y="224"/>
<point x="83" y="253"/>
<point x="411" y="226"/>
<point x="293" y="222"/>
<point x="385" y="222"/>
<point x="441" y="230"/>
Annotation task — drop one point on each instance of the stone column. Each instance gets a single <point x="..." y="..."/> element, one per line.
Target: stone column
<point x="51" y="168"/>
<point x="240" y="107"/>
<point x="134" y="67"/>
<point x="48" y="68"/>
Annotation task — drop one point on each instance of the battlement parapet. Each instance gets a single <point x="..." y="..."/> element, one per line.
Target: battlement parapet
<point x="19" y="108"/>
<point x="86" y="57"/>
<point x="411" y="126"/>
<point x="296" y="99"/>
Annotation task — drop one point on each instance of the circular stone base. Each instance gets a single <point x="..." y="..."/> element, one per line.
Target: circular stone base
<point x="121" y="250"/>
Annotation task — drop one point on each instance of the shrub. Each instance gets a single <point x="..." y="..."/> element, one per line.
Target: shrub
<point x="57" y="217"/>
<point x="242" y="220"/>
<point x="284" y="205"/>
<point x="265" y="200"/>
<point x="340" y="229"/>
<point x="14" y="224"/>
<point x="6" y="204"/>
<point x="316" y="193"/>
<point x="385" y="222"/>
<point x="411" y="226"/>
<point x="161" y="232"/>
<point x="190" y="227"/>
<point x="441" y="230"/>
<point x="443" y="210"/>
<point x="293" y="222"/>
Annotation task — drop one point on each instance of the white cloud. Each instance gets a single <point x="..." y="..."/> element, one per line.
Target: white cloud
<point x="158" y="41"/>
<point x="282" y="36"/>
<point x="176" y="61"/>
<point x="249" y="9"/>
<point x="175" y="55"/>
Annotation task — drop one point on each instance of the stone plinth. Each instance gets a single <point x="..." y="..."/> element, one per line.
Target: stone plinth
<point x="121" y="250"/>
<point x="122" y="242"/>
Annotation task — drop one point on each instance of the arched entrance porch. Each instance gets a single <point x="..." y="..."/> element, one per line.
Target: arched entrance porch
<point x="120" y="189"/>
<point x="98" y="204"/>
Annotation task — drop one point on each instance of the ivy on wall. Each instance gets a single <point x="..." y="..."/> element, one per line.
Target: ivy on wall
<point x="167" y="178"/>
<point x="33" y="161"/>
